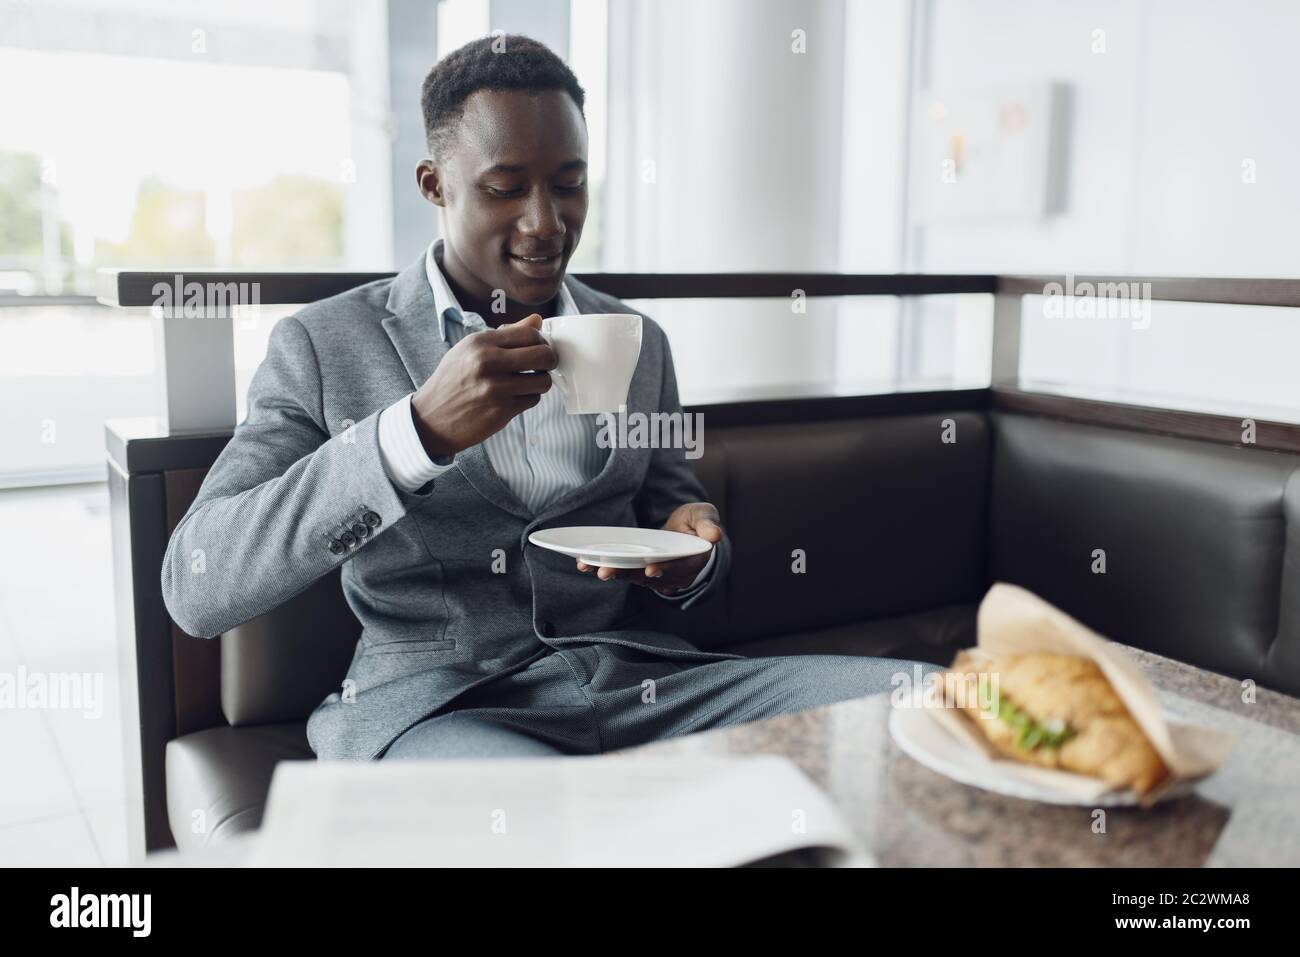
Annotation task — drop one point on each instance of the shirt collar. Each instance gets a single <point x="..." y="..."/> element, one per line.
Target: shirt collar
<point x="445" y="305"/>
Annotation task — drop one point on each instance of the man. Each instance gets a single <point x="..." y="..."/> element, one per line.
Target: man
<point x="406" y="430"/>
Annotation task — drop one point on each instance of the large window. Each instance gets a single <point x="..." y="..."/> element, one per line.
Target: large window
<point x="1171" y="157"/>
<point x="724" y="136"/>
<point x="164" y="135"/>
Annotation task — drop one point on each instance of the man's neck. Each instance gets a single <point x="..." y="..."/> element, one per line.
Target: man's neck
<point x="514" y="311"/>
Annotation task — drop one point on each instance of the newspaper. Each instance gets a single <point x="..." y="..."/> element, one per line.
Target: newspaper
<point x="694" y="811"/>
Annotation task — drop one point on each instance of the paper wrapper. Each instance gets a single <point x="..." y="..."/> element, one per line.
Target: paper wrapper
<point x="1015" y="621"/>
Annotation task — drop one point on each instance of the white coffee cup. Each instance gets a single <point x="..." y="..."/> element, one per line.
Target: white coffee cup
<point x="597" y="356"/>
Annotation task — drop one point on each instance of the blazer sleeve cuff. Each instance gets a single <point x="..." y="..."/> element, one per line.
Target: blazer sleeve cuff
<point x="700" y="584"/>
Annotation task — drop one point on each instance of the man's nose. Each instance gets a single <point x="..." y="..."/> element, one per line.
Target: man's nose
<point x="541" y="218"/>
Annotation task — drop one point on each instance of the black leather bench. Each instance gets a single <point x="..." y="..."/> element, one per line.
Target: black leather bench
<point x="900" y="534"/>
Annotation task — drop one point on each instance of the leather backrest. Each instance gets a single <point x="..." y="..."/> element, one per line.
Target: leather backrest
<point x="276" y="667"/>
<point x="1284" y="657"/>
<point x="887" y="516"/>
<point x="280" y="665"/>
<point x="1199" y="541"/>
<point x="1201" y="545"/>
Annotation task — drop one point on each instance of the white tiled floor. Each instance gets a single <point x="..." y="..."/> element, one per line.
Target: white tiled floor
<point x="62" y="803"/>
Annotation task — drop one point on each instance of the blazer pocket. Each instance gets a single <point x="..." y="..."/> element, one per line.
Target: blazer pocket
<point x="388" y="661"/>
<point x="409" y="608"/>
<point x="406" y="646"/>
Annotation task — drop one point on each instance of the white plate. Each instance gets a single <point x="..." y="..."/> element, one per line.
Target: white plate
<point x="925" y="740"/>
<point x="613" y="546"/>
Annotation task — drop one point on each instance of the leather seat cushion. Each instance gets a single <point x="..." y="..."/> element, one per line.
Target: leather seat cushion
<point x="218" y="779"/>
<point x="934" y="635"/>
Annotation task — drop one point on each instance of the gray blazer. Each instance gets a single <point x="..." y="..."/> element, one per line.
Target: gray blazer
<point x="300" y="489"/>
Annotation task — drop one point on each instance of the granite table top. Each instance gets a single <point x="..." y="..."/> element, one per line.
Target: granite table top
<point x="1246" y="814"/>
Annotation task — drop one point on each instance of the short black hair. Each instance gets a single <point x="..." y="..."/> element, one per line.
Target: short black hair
<point x="500" y="62"/>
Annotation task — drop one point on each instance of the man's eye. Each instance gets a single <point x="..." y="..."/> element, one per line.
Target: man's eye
<point x="570" y="188"/>
<point x="497" y="191"/>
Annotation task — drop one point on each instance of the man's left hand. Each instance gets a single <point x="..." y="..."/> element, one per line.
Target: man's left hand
<point x="696" y="518"/>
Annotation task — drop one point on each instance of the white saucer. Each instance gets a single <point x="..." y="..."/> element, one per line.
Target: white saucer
<point x="923" y="738"/>
<point x="613" y="546"/>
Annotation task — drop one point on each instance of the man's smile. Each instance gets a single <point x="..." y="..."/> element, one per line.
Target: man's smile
<point x="544" y="266"/>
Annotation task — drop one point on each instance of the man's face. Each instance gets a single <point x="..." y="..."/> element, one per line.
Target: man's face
<point x="513" y="187"/>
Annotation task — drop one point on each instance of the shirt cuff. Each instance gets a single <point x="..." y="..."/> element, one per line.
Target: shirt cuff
<point x="696" y="586"/>
<point x="400" y="449"/>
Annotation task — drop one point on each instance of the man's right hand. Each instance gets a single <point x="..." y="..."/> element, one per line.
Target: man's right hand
<point x="483" y="382"/>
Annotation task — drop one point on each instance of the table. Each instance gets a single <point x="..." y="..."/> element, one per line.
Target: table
<point x="1246" y="814"/>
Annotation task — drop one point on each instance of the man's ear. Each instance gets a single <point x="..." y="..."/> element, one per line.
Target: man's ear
<point x="428" y="180"/>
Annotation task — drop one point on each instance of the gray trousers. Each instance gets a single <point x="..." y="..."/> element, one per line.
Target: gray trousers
<point x="586" y="699"/>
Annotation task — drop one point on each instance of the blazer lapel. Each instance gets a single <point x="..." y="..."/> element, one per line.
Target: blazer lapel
<point x="477" y="468"/>
<point x="413" y="328"/>
<point x="411" y="323"/>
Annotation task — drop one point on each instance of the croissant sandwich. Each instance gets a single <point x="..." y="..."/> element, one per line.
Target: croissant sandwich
<point x="1055" y="711"/>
